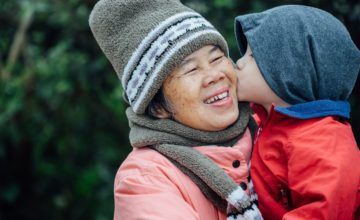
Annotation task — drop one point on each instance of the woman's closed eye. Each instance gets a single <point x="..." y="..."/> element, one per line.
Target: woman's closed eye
<point x="190" y="70"/>
<point x="217" y="59"/>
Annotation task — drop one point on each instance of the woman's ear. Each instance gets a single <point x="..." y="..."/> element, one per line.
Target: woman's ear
<point x="160" y="107"/>
<point x="159" y="111"/>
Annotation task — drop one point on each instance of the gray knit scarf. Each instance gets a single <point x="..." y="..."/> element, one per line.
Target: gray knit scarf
<point x="175" y="141"/>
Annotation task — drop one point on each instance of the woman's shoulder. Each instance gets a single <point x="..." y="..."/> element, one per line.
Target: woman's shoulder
<point x="147" y="177"/>
<point x="144" y="161"/>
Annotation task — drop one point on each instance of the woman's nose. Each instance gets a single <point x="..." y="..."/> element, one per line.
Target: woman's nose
<point x="213" y="76"/>
<point x="240" y="64"/>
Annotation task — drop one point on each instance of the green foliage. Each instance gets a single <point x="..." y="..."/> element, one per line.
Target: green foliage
<point x="63" y="131"/>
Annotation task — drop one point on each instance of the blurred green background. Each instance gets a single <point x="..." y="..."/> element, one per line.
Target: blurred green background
<point x="63" y="132"/>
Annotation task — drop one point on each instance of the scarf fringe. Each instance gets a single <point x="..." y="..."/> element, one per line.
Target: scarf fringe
<point x="251" y="213"/>
<point x="242" y="207"/>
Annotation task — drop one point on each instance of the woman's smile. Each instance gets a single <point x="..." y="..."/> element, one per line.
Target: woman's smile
<point x="219" y="99"/>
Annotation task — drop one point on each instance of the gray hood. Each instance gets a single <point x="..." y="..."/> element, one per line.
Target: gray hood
<point x="305" y="54"/>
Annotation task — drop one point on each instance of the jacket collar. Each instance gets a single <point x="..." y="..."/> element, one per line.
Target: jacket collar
<point x="315" y="109"/>
<point x="308" y="110"/>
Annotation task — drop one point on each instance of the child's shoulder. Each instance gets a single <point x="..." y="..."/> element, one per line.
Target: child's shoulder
<point x="327" y="131"/>
<point x="327" y="123"/>
<point x="320" y="125"/>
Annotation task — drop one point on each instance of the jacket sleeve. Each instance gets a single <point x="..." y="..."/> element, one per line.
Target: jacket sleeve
<point x="323" y="174"/>
<point x="150" y="196"/>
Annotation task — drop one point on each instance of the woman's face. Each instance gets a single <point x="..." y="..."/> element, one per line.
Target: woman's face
<point x="202" y="90"/>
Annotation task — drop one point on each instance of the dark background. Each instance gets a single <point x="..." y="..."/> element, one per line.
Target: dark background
<point x="63" y="132"/>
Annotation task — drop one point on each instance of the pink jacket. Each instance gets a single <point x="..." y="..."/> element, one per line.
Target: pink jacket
<point x="149" y="186"/>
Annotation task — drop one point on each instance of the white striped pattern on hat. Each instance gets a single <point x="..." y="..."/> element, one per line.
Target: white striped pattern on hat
<point x="154" y="76"/>
<point x="156" y="49"/>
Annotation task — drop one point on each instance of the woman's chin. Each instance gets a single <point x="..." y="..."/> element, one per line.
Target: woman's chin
<point x="221" y="122"/>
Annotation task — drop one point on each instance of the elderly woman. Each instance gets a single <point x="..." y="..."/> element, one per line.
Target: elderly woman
<point x="181" y="87"/>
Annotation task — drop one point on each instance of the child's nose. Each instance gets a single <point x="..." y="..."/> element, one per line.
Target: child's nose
<point x="240" y="64"/>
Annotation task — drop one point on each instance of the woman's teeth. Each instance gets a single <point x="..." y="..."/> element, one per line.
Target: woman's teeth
<point x="217" y="98"/>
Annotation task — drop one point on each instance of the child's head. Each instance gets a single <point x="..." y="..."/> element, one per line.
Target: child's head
<point x="252" y="85"/>
<point x="302" y="54"/>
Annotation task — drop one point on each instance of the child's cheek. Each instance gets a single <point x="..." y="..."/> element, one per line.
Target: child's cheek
<point x="237" y="83"/>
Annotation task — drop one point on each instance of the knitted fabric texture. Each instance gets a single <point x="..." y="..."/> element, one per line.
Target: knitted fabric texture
<point x="304" y="53"/>
<point x="175" y="141"/>
<point x="145" y="40"/>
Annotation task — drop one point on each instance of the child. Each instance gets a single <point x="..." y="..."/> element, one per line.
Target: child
<point x="299" y="65"/>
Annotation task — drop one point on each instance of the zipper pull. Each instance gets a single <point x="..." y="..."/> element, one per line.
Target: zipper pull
<point x="285" y="198"/>
<point x="258" y="134"/>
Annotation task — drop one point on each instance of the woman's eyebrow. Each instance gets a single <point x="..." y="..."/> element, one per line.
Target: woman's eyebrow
<point x="186" y="61"/>
<point x="215" y="48"/>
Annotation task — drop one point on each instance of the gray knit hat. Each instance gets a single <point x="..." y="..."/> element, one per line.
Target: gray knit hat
<point x="145" y="40"/>
<point x="304" y="53"/>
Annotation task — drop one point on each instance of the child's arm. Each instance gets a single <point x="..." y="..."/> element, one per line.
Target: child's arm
<point x="324" y="175"/>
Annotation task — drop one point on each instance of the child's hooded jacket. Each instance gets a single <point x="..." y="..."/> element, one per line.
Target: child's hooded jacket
<point x="306" y="163"/>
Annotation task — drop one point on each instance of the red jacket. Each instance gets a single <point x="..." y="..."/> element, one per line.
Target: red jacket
<point x="306" y="168"/>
